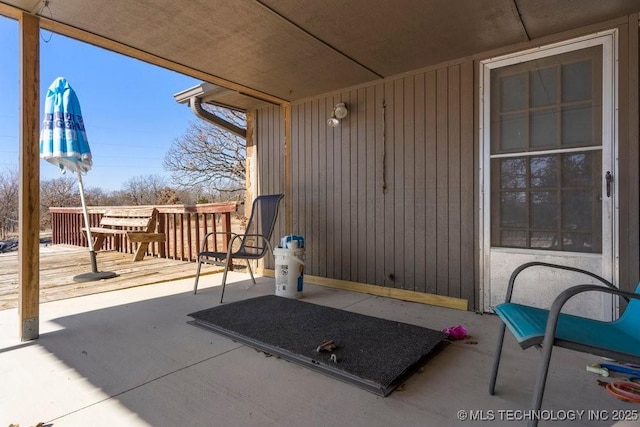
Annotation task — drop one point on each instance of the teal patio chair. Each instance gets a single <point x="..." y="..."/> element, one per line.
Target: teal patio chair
<point x="531" y="326"/>
<point x="254" y="243"/>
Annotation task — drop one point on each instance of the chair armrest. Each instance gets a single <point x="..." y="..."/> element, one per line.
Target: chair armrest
<point x="566" y="295"/>
<point x="212" y="233"/>
<point x="261" y="236"/>
<point x="523" y="267"/>
<point x="253" y="235"/>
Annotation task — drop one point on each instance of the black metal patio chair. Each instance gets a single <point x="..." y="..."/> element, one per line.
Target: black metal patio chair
<point x="254" y="243"/>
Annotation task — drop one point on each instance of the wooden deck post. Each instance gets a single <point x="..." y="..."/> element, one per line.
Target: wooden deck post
<point x="29" y="200"/>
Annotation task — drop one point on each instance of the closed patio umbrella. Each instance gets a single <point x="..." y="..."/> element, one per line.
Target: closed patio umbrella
<point x="63" y="142"/>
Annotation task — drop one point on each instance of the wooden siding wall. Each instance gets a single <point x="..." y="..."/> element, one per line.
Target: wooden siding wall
<point x="270" y="164"/>
<point x="387" y="197"/>
<point x="629" y="154"/>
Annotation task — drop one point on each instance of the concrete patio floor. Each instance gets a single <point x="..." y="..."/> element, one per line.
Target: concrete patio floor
<point x="128" y="358"/>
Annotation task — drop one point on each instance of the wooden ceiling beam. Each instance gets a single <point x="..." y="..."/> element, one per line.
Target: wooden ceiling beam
<point x="10" y="11"/>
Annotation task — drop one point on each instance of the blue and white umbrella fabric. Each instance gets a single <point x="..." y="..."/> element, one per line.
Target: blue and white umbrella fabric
<point x="63" y="139"/>
<point x="63" y="142"/>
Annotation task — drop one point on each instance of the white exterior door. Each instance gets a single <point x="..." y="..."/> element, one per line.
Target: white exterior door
<point x="548" y="171"/>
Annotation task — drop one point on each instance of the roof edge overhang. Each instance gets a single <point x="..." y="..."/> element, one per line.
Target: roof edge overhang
<point x="223" y="97"/>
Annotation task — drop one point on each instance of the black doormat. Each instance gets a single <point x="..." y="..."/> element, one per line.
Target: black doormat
<point x="375" y="354"/>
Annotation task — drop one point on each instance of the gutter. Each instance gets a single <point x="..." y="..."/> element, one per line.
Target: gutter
<point x="195" y="103"/>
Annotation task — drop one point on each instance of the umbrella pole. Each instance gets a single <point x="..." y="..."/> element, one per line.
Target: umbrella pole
<point x="95" y="274"/>
<point x="85" y="213"/>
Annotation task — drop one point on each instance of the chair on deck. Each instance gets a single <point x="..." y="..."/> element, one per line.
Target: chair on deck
<point x="253" y="243"/>
<point x="531" y="326"/>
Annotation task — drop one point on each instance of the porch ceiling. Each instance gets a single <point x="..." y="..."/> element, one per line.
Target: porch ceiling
<point x="295" y="49"/>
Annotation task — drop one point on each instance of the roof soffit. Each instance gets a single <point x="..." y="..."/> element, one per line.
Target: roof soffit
<point x="295" y="49"/>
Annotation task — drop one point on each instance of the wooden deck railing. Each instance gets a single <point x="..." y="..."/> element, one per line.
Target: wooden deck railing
<point x="184" y="226"/>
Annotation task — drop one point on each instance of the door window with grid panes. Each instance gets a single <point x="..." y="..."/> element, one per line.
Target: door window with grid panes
<point x="546" y="153"/>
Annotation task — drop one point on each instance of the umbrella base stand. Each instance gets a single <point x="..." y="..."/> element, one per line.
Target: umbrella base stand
<point x="95" y="274"/>
<point x="90" y="277"/>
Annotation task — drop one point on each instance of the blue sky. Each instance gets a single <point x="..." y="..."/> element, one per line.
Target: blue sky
<point x="128" y="108"/>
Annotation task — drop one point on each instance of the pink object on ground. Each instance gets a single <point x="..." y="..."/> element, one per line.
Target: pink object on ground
<point x="456" y="332"/>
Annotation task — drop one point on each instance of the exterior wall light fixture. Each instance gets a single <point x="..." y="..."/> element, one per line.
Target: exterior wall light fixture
<point x="339" y="113"/>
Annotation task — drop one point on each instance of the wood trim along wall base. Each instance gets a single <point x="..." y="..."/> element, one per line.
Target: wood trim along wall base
<point x="401" y="294"/>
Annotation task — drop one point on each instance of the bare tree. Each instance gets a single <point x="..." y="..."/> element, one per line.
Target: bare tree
<point x="210" y="156"/>
<point x="61" y="191"/>
<point x="144" y="190"/>
<point x="168" y="196"/>
<point x="9" y="188"/>
<point x="96" y="196"/>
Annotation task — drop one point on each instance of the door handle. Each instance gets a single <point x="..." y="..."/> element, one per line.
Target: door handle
<point x="609" y="179"/>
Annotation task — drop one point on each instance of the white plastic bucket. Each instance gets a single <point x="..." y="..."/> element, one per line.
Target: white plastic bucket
<point x="289" y="272"/>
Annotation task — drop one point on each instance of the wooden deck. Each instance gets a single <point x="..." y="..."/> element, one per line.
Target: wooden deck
<point x="60" y="263"/>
